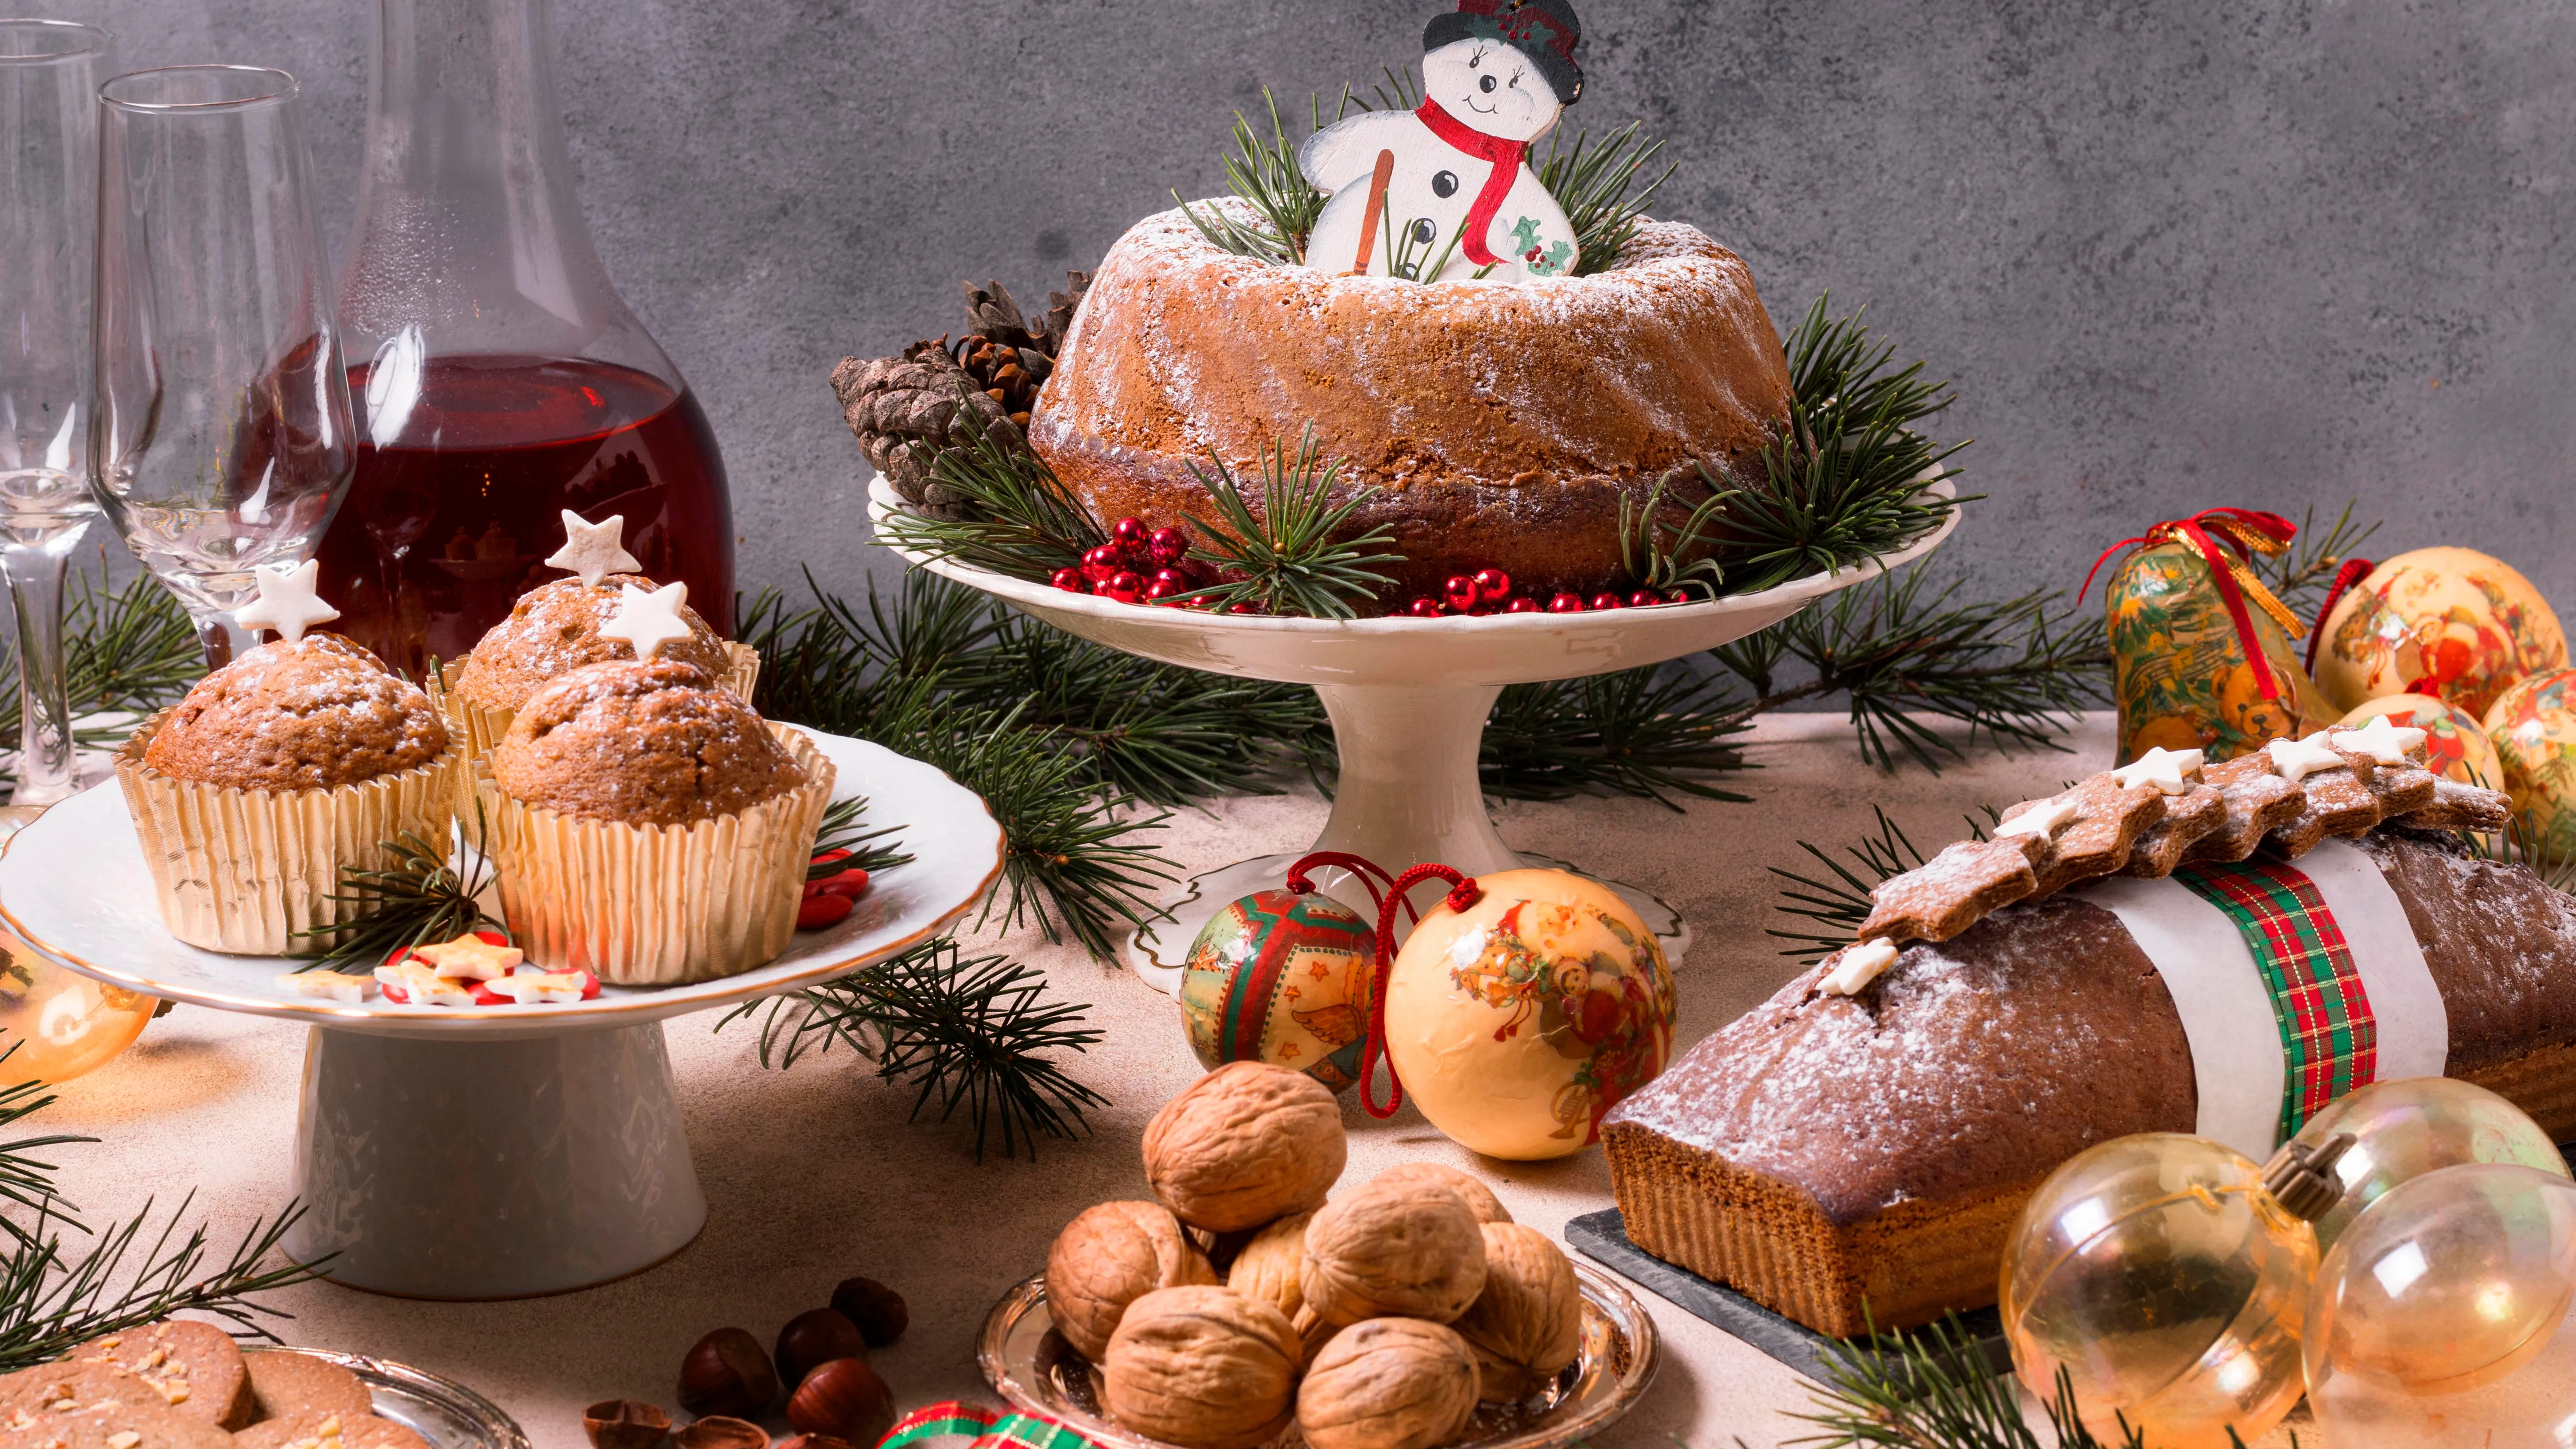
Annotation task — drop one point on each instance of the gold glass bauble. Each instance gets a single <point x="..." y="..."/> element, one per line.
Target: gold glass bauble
<point x="2441" y="1320"/>
<point x="1516" y="1024"/>
<point x="2448" y="622"/>
<point x="2406" y="1128"/>
<point x="2168" y="1284"/>
<point x="2533" y="727"/>
<point x="2455" y="744"/>
<point x="60" y="1023"/>
<point x="2180" y="674"/>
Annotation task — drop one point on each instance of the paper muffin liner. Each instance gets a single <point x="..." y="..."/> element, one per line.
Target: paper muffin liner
<point x="656" y="905"/>
<point x="482" y="726"/>
<point x="247" y="871"/>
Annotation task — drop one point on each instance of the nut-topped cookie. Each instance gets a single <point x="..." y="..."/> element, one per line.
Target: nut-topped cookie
<point x="556" y="629"/>
<point x="652" y="742"/>
<point x="306" y="714"/>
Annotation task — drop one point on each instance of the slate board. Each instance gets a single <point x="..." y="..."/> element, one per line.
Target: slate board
<point x="1603" y="1238"/>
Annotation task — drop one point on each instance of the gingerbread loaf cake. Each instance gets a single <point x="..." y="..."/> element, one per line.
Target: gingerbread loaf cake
<point x="1855" y="1150"/>
<point x="1503" y="423"/>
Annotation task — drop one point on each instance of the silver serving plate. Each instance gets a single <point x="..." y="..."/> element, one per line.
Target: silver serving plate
<point x="440" y="1410"/>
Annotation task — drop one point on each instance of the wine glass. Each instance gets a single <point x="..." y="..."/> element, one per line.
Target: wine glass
<point x="49" y="75"/>
<point x="221" y="438"/>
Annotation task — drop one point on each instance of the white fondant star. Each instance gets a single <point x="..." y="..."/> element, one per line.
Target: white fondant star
<point x="2041" y="819"/>
<point x="290" y="600"/>
<point x="2383" y="739"/>
<point x="2170" y="771"/>
<point x="2296" y="760"/>
<point x="648" y="620"/>
<point x="1859" y="966"/>
<point x="593" y="550"/>
<point x="327" y="986"/>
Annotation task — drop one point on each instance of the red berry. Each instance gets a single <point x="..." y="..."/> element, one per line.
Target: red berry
<point x="818" y="910"/>
<point x="1070" y="579"/>
<point x="1565" y="603"/>
<point x="1522" y="604"/>
<point x="1606" y="600"/>
<point x="1128" y="533"/>
<point x="1424" y="608"/>
<point x="1168" y="546"/>
<point x="1493" y="584"/>
<point x="1644" y="599"/>
<point x="1125" y="587"/>
<point x="1679" y="596"/>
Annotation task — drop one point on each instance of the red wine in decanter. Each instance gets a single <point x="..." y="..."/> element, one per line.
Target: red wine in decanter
<point x="448" y="525"/>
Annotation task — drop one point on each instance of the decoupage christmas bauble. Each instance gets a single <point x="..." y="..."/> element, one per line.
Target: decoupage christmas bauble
<point x="2442" y="1318"/>
<point x="1517" y="1023"/>
<point x="2168" y="1284"/>
<point x="2448" y="622"/>
<point x="2182" y="672"/>
<point x="2533" y="727"/>
<point x="1281" y="977"/>
<point x="2455" y="744"/>
<point x="2413" y="1126"/>
<point x="58" y="1024"/>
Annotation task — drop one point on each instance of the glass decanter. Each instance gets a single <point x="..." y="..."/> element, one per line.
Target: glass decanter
<point x="497" y="376"/>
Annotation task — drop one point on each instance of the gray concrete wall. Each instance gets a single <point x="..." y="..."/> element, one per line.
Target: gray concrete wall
<point x="2175" y="254"/>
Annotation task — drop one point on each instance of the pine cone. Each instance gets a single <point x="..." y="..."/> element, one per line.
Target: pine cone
<point x="908" y="409"/>
<point x="1006" y="356"/>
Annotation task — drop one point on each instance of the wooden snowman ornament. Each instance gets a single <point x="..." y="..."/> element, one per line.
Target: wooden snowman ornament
<point x="1446" y="192"/>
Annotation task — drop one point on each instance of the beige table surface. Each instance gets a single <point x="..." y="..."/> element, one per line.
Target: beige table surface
<point x="814" y="1174"/>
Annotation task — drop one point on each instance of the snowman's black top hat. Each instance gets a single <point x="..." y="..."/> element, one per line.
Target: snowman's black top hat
<point x="1544" y="30"/>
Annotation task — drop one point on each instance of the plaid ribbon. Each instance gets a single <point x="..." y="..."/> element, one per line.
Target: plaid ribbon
<point x="981" y="1428"/>
<point x="2329" y="1038"/>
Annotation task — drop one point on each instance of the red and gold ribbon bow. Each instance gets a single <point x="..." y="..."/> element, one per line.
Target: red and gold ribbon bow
<point x="2227" y="539"/>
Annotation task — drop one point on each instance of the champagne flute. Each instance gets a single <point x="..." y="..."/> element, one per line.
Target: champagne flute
<point x="49" y="75"/>
<point x="221" y="438"/>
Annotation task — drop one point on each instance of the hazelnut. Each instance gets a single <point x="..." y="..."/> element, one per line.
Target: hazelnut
<point x="1202" y="1368"/>
<point x="625" y="1424"/>
<point x="1108" y="1258"/>
<point x="727" y="1375"/>
<point x="844" y="1399"/>
<point x="1528" y="1323"/>
<point x="1266" y="1270"/>
<point x="879" y="1311"/>
<point x="815" y="1336"/>
<point x="1388" y="1383"/>
<point x="813" y="1441"/>
<point x="1244" y="1144"/>
<point x="1403" y="1250"/>
<point x="722" y="1431"/>
<point x="1480" y="1198"/>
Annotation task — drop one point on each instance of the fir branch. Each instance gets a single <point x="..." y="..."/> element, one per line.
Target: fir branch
<point x="1265" y="176"/>
<point x="1594" y="184"/>
<point x="844" y="827"/>
<point x="1642" y="732"/>
<point x="970" y="1031"/>
<point x="418" y="900"/>
<point x="50" y="1303"/>
<point x="1289" y="557"/>
<point x="1664" y="556"/>
<point x="26" y="1180"/>
<point x="129" y="651"/>
<point x="2013" y="669"/>
<point x="1842" y="903"/>
<point x="2300" y="576"/>
<point x="1019" y="518"/>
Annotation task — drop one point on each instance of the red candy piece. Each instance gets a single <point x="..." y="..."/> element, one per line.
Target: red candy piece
<point x="484" y="995"/>
<point x="1565" y="603"/>
<point x="1644" y="599"/>
<point x="1423" y="608"/>
<point x="1606" y="600"/>
<point x="818" y="911"/>
<point x="1493" y="584"/>
<point x="852" y="883"/>
<point x="1070" y="579"/>
<point x="1522" y="604"/>
<point x="1459" y="593"/>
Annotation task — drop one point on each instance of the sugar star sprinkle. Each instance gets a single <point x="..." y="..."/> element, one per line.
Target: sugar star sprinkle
<point x="469" y="958"/>
<point x="421" y="986"/>
<point x="2041" y="819"/>
<point x="2170" y="771"/>
<point x="1859" y="966"/>
<point x="594" y="550"/>
<point x="2296" y="760"/>
<point x="327" y="986"/>
<point x="648" y="620"/>
<point x="290" y="600"/>
<point x="2383" y="739"/>
<point x="530" y="988"/>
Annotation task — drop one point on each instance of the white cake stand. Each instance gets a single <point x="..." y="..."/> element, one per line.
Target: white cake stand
<point x="1408" y="700"/>
<point x="500" y="1151"/>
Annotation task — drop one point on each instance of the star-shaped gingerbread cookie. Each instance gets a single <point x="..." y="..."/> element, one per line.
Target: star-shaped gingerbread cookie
<point x="1950" y="892"/>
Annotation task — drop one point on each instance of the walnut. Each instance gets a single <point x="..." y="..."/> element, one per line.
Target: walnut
<point x="1246" y="1143"/>
<point x="1266" y="1269"/>
<point x="1108" y="1258"/>
<point x="1201" y="1367"/>
<point x="1480" y="1198"/>
<point x="1389" y="1383"/>
<point x="1407" y="1250"/>
<point x="1528" y="1323"/>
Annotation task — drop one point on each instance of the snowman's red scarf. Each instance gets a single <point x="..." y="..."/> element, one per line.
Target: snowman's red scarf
<point x="1506" y="156"/>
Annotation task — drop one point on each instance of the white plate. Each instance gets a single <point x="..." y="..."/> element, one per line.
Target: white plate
<point x="74" y="886"/>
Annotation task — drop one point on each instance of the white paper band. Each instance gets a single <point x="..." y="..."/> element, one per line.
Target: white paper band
<point x="2237" y="1061"/>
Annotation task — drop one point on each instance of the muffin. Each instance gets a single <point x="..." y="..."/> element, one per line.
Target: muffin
<point x="555" y="629"/>
<point x="648" y="826"/>
<point x="276" y="774"/>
